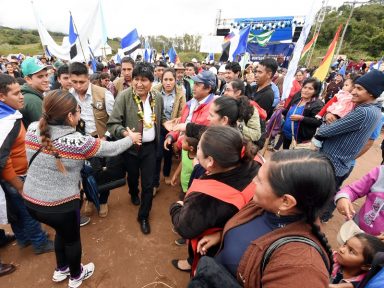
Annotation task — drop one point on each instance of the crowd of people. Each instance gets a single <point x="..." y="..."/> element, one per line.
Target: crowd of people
<point x="246" y="221"/>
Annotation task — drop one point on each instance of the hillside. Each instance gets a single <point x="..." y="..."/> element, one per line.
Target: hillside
<point x="364" y="37"/>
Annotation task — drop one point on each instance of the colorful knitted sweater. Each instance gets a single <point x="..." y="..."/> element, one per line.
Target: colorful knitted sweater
<point x="45" y="184"/>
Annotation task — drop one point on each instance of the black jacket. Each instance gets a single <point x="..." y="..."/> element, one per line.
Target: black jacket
<point x="307" y="126"/>
<point x="264" y="97"/>
<point x="201" y="212"/>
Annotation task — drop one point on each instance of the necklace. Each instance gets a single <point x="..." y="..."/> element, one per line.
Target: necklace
<point x="140" y="112"/>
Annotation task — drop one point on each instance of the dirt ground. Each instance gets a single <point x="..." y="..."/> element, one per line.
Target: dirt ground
<point x="123" y="256"/>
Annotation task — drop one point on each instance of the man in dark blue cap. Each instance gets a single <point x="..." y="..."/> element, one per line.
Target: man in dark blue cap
<point x="196" y="110"/>
<point x="346" y="137"/>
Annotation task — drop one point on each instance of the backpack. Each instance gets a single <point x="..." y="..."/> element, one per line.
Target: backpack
<point x="375" y="276"/>
<point x="90" y="185"/>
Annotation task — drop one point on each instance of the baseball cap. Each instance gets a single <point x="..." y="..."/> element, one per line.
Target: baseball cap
<point x="31" y="66"/>
<point x="206" y="77"/>
<point x="347" y="231"/>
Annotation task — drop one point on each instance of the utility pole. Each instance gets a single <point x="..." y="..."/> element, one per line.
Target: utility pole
<point x="319" y="22"/>
<point x="218" y="21"/>
<point x="353" y="4"/>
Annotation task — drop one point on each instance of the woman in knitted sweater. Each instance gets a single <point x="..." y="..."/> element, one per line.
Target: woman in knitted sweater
<point x="56" y="154"/>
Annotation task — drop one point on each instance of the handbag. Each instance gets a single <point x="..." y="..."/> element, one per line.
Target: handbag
<point x="294" y="145"/>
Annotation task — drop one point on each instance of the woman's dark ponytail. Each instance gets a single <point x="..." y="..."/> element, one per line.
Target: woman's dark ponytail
<point x="56" y="106"/>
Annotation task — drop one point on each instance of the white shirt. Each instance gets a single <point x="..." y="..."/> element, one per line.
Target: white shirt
<point x="148" y="133"/>
<point x="87" y="109"/>
<point x="193" y="107"/>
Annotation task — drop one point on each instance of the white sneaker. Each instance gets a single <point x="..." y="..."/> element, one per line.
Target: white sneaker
<point x="59" y="275"/>
<point x="86" y="272"/>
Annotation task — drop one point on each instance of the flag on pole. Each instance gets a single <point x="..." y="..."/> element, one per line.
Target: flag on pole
<point x="244" y="60"/>
<point x="47" y="51"/>
<point x="309" y="45"/>
<point x="210" y="57"/>
<point x="322" y="71"/>
<point x="147" y="51"/>
<point x="239" y="43"/>
<point x="72" y="38"/>
<point x="130" y="42"/>
<point x="93" y="59"/>
<point x="225" y="47"/>
<point x="173" y="55"/>
<point x="118" y="58"/>
<point x="261" y="39"/>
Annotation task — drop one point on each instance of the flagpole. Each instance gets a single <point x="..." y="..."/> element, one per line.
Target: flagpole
<point x="78" y="36"/>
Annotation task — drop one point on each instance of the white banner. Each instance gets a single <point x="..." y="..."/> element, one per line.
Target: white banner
<point x="297" y="51"/>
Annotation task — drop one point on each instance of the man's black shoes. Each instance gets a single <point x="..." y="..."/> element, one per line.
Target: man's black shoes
<point x="135" y="200"/>
<point x="144" y="226"/>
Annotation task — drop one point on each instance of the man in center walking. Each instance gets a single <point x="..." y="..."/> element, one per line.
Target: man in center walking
<point x="140" y="109"/>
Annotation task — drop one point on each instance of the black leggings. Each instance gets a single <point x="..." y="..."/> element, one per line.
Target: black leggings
<point x="67" y="238"/>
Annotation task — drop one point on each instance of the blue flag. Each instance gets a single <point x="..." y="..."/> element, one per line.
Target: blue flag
<point x="147" y="51"/>
<point x="130" y="42"/>
<point x="72" y="38"/>
<point x="239" y="43"/>
<point x="172" y="55"/>
<point x="93" y="59"/>
<point x="118" y="58"/>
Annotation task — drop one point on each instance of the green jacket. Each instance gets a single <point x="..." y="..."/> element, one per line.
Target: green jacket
<point x="33" y="105"/>
<point x="124" y="114"/>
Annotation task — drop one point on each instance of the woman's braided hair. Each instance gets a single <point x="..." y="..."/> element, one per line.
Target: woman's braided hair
<point x="57" y="105"/>
<point x="310" y="178"/>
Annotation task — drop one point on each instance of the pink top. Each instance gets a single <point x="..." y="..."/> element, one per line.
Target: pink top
<point x="343" y="105"/>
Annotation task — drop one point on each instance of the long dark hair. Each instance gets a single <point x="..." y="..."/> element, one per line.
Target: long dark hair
<point x="310" y="178"/>
<point x="225" y="145"/>
<point x="56" y="106"/>
<point x="235" y="109"/>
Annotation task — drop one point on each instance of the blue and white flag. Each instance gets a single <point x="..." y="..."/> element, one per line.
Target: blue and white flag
<point x="147" y="52"/>
<point x="130" y="42"/>
<point x="118" y="58"/>
<point x="172" y="55"/>
<point x="72" y="38"/>
<point x="239" y="43"/>
<point x="210" y="57"/>
<point x="93" y="59"/>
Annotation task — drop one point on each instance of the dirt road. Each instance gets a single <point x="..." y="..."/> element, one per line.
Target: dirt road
<point x="123" y="256"/>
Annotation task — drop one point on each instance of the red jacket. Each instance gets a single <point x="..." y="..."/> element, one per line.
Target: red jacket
<point x="199" y="116"/>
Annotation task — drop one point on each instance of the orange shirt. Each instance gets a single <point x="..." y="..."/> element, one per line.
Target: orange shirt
<point x="17" y="163"/>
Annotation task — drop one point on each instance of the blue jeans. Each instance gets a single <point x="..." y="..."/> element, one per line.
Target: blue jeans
<point x="26" y="229"/>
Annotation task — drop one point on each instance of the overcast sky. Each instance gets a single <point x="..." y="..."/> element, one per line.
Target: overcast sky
<point x="160" y="17"/>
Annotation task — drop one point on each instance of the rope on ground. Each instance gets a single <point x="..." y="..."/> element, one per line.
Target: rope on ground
<point x="157" y="282"/>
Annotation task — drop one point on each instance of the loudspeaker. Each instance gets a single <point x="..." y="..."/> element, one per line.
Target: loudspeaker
<point x="222" y="32"/>
<point x="296" y="33"/>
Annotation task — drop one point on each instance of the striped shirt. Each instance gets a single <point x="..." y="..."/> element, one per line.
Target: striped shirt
<point x="344" y="138"/>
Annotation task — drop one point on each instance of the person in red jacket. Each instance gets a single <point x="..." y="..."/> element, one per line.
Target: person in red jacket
<point x="197" y="109"/>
